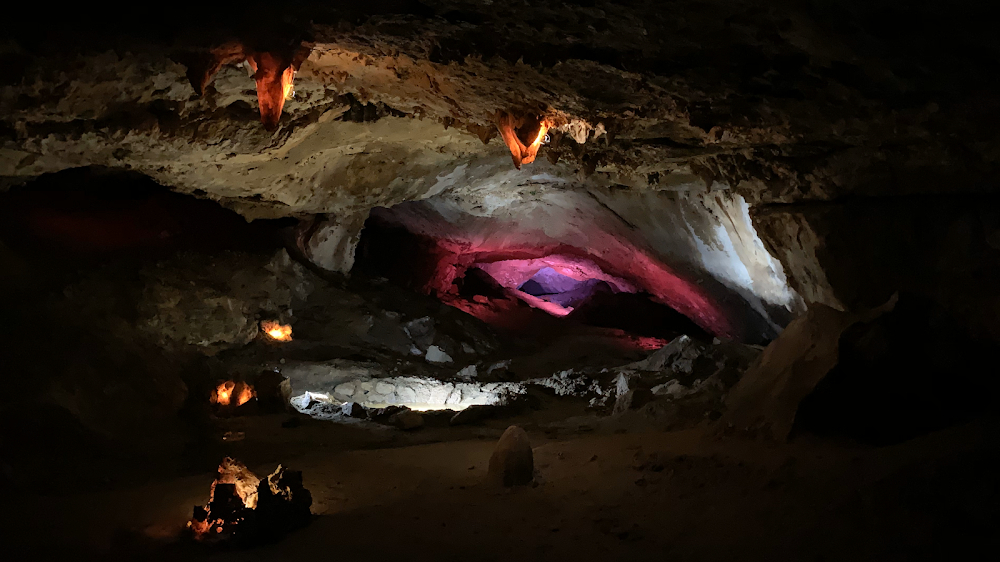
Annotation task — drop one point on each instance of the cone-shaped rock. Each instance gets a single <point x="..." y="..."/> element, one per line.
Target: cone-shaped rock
<point x="512" y="463"/>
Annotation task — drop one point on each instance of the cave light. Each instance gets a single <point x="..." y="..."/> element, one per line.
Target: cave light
<point x="520" y="153"/>
<point x="276" y="330"/>
<point x="225" y="391"/>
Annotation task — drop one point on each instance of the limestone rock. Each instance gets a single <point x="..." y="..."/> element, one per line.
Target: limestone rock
<point x="512" y="463"/>
<point x="467" y="373"/>
<point x="251" y="510"/>
<point x="421" y="331"/>
<point x="273" y="392"/>
<point x="436" y="355"/>
<point x="354" y="410"/>
<point x="679" y="356"/>
<point x="212" y="303"/>
<point x="330" y="243"/>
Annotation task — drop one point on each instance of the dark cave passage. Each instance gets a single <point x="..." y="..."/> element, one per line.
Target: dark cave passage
<point x="908" y="373"/>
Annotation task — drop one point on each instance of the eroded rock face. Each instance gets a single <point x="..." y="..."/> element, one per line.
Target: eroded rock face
<point x="248" y="510"/>
<point x="330" y="243"/>
<point x="711" y="80"/>
<point x="675" y="136"/>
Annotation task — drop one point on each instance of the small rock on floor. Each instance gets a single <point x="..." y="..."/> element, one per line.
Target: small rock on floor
<point x="406" y="420"/>
<point x="512" y="463"/>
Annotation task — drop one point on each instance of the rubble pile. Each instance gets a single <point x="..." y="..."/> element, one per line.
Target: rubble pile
<point x="247" y="509"/>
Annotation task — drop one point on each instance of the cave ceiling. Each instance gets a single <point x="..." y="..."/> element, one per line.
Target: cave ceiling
<point x="393" y="101"/>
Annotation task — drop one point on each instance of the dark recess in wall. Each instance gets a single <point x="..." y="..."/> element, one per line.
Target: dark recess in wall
<point x="909" y="372"/>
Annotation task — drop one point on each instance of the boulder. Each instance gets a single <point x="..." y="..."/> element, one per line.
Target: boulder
<point x="354" y="410"/>
<point x="632" y="400"/>
<point x="273" y="392"/>
<point x="329" y="242"/>
<point x="251" y="510"/>
<point x="421" y="331"/>
<point x="474" y="414"/>
<point x="765" y="401"/>
<point x="406" y="420"/>
<point x="437" y="355"/>
<point x="512" y="463"/>
<point x="467" y="373"/>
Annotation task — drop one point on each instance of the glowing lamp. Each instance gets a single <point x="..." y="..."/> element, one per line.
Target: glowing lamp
<point x="276" y="331"/>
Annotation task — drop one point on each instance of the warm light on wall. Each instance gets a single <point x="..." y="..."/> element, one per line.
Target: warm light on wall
<point x="276" y="331"/>
<point x="520" y="153"/>
<point x="230" y="391"/>
<point x="274" y="73"/>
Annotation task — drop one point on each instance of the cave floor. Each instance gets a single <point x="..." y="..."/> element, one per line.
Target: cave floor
<point x="608" y="492"/>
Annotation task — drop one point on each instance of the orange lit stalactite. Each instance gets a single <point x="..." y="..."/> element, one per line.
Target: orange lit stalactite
<point x="274" y="78"/>
<point x="274" y="74"/>
<point x="520" y="153"/>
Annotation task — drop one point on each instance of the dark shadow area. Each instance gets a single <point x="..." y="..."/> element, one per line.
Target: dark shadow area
<point x="407" y="260"/>
<point x="636" y="314"/>
<point x="86" y="216"/>
<point x="908" y="372"/>
<point x="80" y="248"/>
<point x="92" y="211"/>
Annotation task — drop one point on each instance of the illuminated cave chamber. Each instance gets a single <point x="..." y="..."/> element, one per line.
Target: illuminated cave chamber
<point x="653" y="265"/>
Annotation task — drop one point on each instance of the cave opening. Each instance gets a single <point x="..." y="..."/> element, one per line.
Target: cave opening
<point x="519" y="291"/>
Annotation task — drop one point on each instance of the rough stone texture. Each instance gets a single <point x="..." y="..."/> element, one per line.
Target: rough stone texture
<point x="250" y="510"/>
<point x="436" y="355"/>
<point x="697" y="253"/>
<point x="330" y="243"/>
<point x="369" y="384"/>
<point x="216" y="302"/>
<point x="687" y="96"/>
<point x="512" y="462"/>
<point x="685" y="380"/>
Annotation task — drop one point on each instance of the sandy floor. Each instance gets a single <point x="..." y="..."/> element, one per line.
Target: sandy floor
<point x="613" y="493"/>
